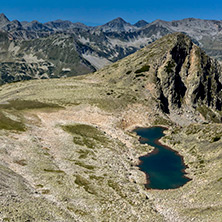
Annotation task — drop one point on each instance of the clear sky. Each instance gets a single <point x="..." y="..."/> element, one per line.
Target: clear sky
<point x="96" y="12"/>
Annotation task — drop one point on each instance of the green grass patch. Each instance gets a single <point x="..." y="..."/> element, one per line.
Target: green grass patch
<point x="39" y="186"/>
<point x="108" y="104"/>
<point x="53" y="171"/>
<point x="8" y="124"/>
<point x="86" y="135"/>
<point x="46" y="191"/>
<point x="27" y="104"/>
<point x="94" y="177"/>
<point x="83" y="182"/>
<point x="208" y="114"/>
<point x="220" y="179"/>
<point x="145" y="68"/>
<point x="84" y="153"/>
<point x="116" y="65"/>
<point x="77" y="211"/>
<point x="89" y="167"/>
<point x="169" y="67"/>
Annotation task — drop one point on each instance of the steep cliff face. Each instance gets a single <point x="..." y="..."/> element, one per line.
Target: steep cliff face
<point x="189" y="77"/>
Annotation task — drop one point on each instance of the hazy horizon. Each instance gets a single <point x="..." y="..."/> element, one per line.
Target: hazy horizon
<point x="90" y="24"/>
<point x="100" y="12"/>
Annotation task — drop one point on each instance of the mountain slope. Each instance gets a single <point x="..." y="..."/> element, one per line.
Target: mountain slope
<point x="51" y="57"/>
<point x="176" y="74"/>
<point x="68" y="152"/>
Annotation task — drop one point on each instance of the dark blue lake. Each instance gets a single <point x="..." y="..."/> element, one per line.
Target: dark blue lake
<point x="164" y="167"/>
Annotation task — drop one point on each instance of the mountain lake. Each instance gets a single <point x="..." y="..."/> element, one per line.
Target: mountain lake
<point x="163" y="167"/>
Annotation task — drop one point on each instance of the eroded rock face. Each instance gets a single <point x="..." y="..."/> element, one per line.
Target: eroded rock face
<point x="189" y="77"/>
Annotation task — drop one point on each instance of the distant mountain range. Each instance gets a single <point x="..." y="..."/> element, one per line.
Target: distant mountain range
<point x="62" y="48"/>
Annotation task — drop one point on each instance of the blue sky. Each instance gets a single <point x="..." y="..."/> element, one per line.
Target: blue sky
<point x="101" y="11"/>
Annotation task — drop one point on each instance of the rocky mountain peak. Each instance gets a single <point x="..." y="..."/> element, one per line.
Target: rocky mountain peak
<point x="141" y="23"/>
<point x="62" y="25"/>
<point x="116" y="25"/>
<point x="118" y="20"/>
<point x="3" y="17"/>
<point x="12" y="26"/>
<point x="35" y="26"/>
<point x="3" y="20"/>
<point x="35" y="22"/>
<point x="81" y="25"/>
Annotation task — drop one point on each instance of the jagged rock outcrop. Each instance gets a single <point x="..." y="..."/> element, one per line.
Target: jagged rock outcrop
<point x="189" y="77"/>
<point x="141" y="23"/>
<point x="3" y="20"/>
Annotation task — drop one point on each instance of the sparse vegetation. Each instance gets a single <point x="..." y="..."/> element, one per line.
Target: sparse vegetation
<point x="27" y="104"/>
<point x="169" y="67"/>
<point x="83" y="182"/>
<point x="128" y="72"/>
<point x="53" y="171"/>
<point x="67" y="166"/>
<point x="116" y="187"/>
<point x="21" y="162"/>
<point x="84" y="153"/>
<point x="86" y="135"/>
<point x="162" y="121"/>
<point x="145" y="68"/>
<point x="8" y="124"/>
<point x="89" y="167"/>
<point x="94" y="177"/>
<point x="193" y="129"/>
<point x="208" y="114"/>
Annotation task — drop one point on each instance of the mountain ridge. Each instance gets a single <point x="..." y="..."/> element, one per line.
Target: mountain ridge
<point x="101" y="45"/>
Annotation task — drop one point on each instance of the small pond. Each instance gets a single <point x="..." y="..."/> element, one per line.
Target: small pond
<point x="164" y="167"/>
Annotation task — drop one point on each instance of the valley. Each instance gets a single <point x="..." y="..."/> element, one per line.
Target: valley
<point x="68" y="152"/>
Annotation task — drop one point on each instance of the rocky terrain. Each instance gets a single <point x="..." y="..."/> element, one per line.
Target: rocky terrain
<point x="62" y="48"/>
<point x="68" y="152"/>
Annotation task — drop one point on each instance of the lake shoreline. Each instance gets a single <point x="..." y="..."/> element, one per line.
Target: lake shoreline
<point x="155" y="152"/>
